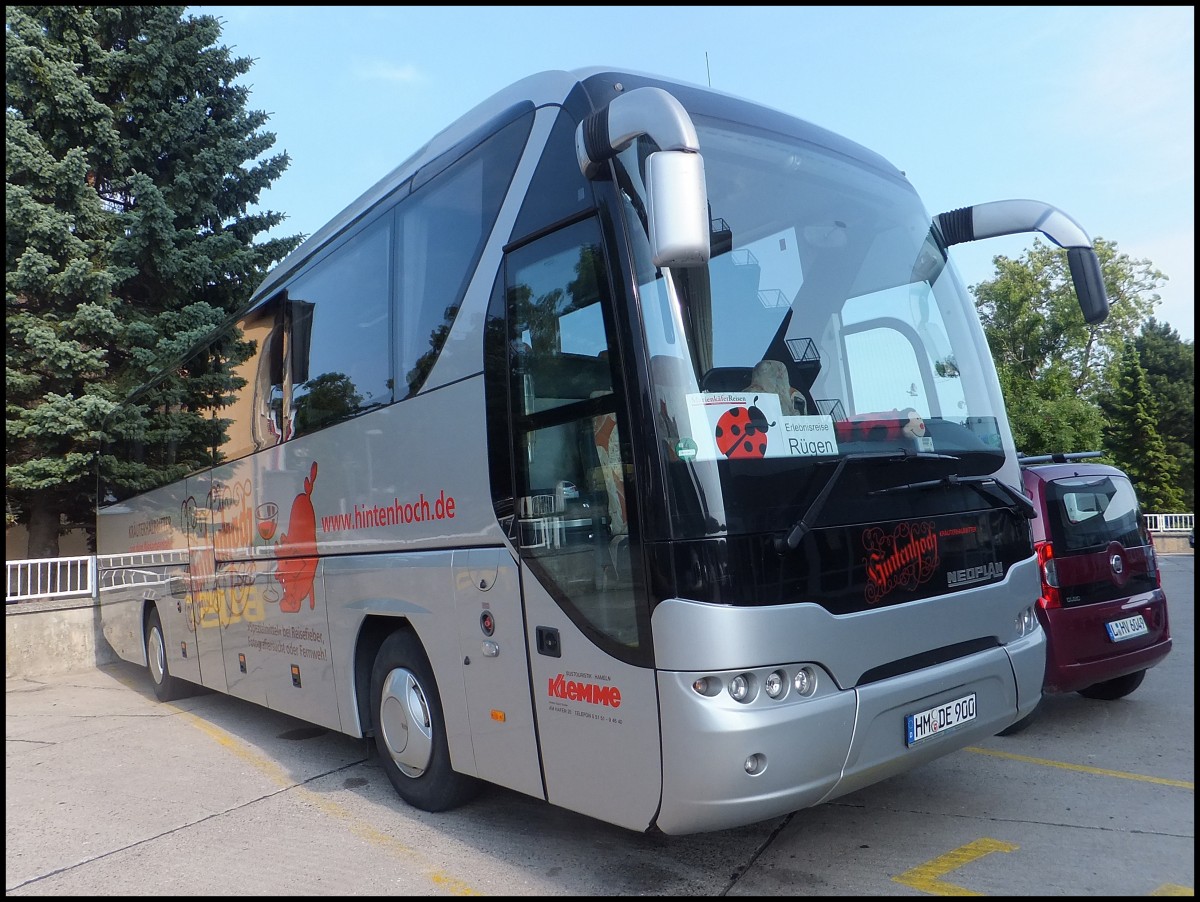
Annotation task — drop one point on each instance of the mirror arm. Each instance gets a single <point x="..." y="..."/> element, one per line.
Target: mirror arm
<point x="643" y="111"/>
<point x="1011" y="217"/>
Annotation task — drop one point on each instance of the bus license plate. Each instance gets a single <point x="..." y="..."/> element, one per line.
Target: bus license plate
<point x="936" y="720"/>
<point x="1129" y="628"/>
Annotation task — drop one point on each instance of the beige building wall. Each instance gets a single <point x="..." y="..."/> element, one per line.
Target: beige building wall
<point x="16" y="544"/>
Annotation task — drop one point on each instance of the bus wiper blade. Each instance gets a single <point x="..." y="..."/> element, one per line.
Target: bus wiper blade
<point x="1013" y="500"/>
<point x="801" y="527"/>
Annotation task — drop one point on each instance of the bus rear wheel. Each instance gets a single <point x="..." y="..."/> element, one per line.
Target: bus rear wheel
<point x="410" y="730"/>
<point x="166" y="687"/>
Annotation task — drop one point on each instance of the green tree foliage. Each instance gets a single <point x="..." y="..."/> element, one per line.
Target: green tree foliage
<point x="1045" y="417"/>
<point x="1132" y="436"/>
<point x="1170" y="365"/>
<point x="1052" y="365"/>
<point x="132" y="162"/>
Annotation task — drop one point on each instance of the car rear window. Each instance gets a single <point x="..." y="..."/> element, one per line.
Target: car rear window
<point x="1090" y="511"/>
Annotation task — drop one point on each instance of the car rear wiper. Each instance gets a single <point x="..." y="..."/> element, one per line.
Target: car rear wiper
<point x="801" y="527"/>
<point x="1013" y="500"/>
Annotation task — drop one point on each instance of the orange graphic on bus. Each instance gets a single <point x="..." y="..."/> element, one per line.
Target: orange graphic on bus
<point x="297" y="551"/>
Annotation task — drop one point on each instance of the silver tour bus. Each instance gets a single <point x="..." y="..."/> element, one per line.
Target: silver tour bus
<point x="632" y="446"/>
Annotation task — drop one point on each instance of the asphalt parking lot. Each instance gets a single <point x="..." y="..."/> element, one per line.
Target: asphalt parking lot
<point x="109" y="792"/>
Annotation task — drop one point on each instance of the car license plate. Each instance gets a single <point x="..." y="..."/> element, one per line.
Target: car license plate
<point x="1129" y="628"/>
<point x="938" y="719"/>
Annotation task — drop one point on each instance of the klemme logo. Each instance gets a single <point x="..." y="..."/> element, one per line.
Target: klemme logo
<point x="592" y="693"/>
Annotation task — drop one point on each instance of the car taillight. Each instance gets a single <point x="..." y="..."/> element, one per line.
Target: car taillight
<point x="1152" y="562"/>
<point x="1051" y="598"/>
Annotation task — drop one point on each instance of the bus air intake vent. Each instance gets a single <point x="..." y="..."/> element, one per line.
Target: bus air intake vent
<point x="927" y="659"/>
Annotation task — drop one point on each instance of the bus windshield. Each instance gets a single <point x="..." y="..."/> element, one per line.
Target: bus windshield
<point x="828" y="323"/>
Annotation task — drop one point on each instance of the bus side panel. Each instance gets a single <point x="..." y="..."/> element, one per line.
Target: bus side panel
<point x="274" y="658"/>
<point x="408" y="476"/>
<point x="597" y="720"/>
<point x="414" y="590"/>
<point x="124" y="594"/>
<point x="487" y="602"/>
<point x="143" y="557"/>
<point x="249" y="647"/>
<point x="274" y="628"/>
<point x="299" y="673"/>
<point x="206" y="608"/>
<point x="121" y="616"/>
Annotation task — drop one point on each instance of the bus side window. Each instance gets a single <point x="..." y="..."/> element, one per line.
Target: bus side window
<point x="255" y="409"/>
<point x="441" y="230"/>
<point x="339" y="353"/>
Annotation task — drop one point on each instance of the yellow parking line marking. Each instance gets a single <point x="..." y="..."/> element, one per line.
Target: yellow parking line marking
<point x="451" y="884"/>
<point x="927" y="877"/>
<point x="1085" y="769"/>
<point x="1174" y="889"/>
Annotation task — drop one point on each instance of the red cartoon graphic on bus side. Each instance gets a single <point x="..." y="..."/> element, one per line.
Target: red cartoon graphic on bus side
<point x="296" y="569"/>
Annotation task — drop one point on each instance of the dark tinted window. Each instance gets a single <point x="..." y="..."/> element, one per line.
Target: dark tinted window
<point x="339" y="332"/>
<point x="1086" y="512"/>
<point x="440" y="233"/>
<point x="558" y="190"/>
<point x="321" y="350"/>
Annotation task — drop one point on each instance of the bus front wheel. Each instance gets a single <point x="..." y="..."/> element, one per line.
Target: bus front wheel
<point x="1022" y="724"/>
<point x="410" y="730"/>
<point x="166" y="687"/>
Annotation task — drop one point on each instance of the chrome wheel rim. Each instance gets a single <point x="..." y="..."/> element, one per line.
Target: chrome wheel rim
<point x="156" y="655"/>
<point x="405" y="723"/>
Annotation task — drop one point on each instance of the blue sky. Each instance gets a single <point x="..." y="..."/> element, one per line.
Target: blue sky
<point x="1090" y="109"/>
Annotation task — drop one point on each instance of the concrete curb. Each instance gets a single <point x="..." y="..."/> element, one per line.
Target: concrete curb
<point x="53" y="636"/>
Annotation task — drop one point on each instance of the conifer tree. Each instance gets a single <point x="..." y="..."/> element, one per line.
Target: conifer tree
<point x="1133" y="439"/>
<point x="132" y="164"/>
<point x="1170" y="365"/>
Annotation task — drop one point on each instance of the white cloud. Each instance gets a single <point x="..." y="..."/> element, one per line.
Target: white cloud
<point x="381" y="70"/>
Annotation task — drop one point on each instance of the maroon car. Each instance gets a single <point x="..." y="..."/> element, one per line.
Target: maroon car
<point x="1102" y="604"/>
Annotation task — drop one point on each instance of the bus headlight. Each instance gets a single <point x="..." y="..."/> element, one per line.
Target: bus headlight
<point x="740" y="687"/>
<point x="779" y="684"/>
<point x="805" y="681"/>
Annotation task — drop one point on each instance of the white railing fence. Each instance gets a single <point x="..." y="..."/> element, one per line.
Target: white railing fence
<point x="75" y="577"/>
<point x="1170" y="523"/>
<point x="60" y="577"/>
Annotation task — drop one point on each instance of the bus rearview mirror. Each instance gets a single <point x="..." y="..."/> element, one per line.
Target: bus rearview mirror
<point x="678" y="202"/>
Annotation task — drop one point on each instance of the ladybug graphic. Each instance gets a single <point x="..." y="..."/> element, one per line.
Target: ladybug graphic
<point x="742" y="431"/>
